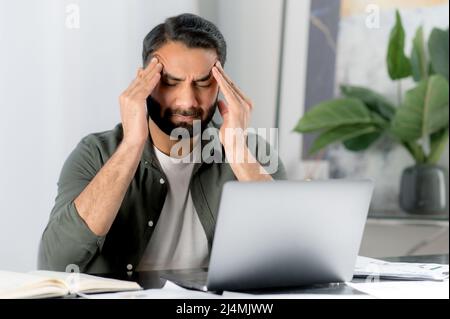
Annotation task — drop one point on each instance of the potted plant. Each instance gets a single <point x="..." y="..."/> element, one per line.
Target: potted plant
<point x="419" y="121"/>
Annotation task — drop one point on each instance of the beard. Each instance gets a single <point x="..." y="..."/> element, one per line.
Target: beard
<point x="163" y="119"/>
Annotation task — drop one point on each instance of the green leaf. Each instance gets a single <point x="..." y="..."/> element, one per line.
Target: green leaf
<point x="340" y="133"/>
<point x="419" y="61"/>
<point x="425" y="110"/>
<point x="334" y="113"/>
<point x="361" y="142"/>
<point x="430" y="69"/>
<point x="379" y="121"/>
<point x="374" y="101"/>
<point x="438" y="47"/>
<point x="398" y="64"/>
<point x="415" y="150"/>
<point x="438" y="143"/>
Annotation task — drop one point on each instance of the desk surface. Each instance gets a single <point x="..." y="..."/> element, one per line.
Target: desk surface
<point x="151" y="279"/>
<point x="400" y="215"/>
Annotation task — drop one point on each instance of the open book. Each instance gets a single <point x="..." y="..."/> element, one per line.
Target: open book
<point x="46" y="284"/>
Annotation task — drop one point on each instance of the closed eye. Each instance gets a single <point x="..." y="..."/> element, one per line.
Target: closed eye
<point x="203" y="85"/>
<point x="168" y="84"/>
<point x="203" y="82"/>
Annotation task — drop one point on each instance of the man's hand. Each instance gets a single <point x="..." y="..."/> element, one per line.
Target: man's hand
<point x="235" y="111"/>
<point x="236" y="116"/>
<point x="100" y="201"/>
<point x="133" y="107"/>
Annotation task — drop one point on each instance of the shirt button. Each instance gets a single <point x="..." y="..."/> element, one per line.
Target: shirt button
<point x="150" y="223"/>
<point x="146" y="163"/>
<point x="162" y="181"/>
<point x="129" y="266"/>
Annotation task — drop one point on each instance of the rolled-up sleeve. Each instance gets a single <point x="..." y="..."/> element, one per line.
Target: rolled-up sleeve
<point x="67" y="240"/>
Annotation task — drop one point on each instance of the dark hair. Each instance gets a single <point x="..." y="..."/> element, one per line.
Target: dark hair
<point x="191" y="30"/>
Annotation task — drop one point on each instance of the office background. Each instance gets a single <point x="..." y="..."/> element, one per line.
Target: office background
<point x="60" y="78"/>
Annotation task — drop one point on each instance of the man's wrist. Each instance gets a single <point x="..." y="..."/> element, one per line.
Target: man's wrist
<point x="245" y="166"/>
<point x="133" y="144"/>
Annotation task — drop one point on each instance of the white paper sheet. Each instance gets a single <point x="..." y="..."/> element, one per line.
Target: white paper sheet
<point x="168" y="291"/>
<point x="238" y="295"/>
<point x="173" y="291"/>
<point x="394" y="270"/>
<point x="405" y="289"/>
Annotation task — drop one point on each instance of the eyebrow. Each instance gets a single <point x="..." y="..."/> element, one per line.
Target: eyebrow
<point x="168" y="76"/>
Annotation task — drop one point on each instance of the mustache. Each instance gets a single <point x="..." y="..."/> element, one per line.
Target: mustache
<point x="192" y="111"/>
<point x="153" y="107"/>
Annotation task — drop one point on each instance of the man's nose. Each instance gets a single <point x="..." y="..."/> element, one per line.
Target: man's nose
<point x="186" y="97"/>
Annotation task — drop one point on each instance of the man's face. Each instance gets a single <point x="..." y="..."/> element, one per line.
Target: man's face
<point x="187" y="90"/>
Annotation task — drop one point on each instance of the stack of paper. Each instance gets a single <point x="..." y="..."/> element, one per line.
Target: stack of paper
<point x="404" y="289"/>
<point x="375" y="268"/>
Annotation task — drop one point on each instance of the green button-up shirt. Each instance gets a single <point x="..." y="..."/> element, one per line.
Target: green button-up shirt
<point x="68" y="242"/>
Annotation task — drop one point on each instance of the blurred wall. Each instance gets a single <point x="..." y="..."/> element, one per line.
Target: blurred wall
<point x="252" y="30"/>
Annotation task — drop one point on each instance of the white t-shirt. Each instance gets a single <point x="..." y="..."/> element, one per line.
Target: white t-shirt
<point x="179" y="240"/>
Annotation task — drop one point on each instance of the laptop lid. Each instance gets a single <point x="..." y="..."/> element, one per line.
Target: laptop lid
<point x="287" y="233"/>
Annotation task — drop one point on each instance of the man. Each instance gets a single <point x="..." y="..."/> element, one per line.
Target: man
<point x="126" y="200"/>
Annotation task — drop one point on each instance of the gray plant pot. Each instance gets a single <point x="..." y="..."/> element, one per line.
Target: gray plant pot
<point x="423" y="190"/>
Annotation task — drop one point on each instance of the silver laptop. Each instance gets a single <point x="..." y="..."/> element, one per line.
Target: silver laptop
<point x="283" y="234"/>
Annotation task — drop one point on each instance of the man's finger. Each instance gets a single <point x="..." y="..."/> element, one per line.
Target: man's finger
<point x="238" y="97"/>
<point x="133" y="84"/>
<point x="157" y="69"/>
<point x="223" y="107"/>
<point x="232" y="85"/>
<point x="154" y="61"/>
<point x="142" y="73"/>
<point x="146" y="88"/>
<point x="230" y="96"/>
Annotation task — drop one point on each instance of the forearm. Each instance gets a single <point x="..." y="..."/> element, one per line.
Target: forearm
<point x="100" y="201"/>
<point x="245" y="166"/>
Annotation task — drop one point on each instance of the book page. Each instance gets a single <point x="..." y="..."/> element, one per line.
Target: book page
<point x="84" y="283"/>
<point x="20" y="285"/>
